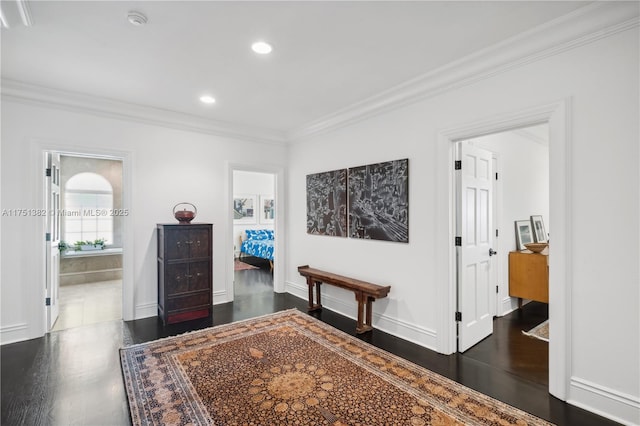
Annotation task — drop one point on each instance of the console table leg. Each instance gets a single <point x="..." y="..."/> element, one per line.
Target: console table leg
<point x="318" y="305"/>
<point x="369" y="310"/>
<point x="318" y="300"/>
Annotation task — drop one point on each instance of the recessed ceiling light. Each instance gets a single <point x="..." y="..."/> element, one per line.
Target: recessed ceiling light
<point x="207" y="99"/>
<point x="261" y="47"/>
<point x="136" y="18"/>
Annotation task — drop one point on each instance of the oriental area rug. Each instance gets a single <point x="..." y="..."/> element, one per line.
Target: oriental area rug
<point x="288" y="368"/>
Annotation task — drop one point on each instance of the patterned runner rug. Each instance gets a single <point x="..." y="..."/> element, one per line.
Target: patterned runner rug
<point x="288" y="368"/>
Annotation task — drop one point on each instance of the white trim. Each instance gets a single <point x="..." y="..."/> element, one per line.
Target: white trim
<point x="146" y="310"/>
<point x="508" y="304"/>
<point x="3" y="20"/>
<point x="580" y="27"/>
<point x="220" y="296"/>
<point x="25" y="12"/>
<point x="279" y="228"/>
<point x="18" y="91"/>
<point x="558" y="116"/>
<point x="405" y="330"/>
<point x="13" y="333"/>
<point x="604" y="401"/>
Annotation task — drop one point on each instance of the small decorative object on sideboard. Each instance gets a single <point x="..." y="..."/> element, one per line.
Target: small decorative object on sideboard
<point x="536" y="247"/>
<point x="184" y="212"/>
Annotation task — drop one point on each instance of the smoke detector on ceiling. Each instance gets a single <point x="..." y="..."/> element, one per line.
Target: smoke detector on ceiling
<point x="136" y="18"/>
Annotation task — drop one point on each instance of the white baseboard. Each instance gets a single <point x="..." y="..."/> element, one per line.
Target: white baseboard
<point x="146" y="310"/>
<point x="13" y="333"/>
<point x="411" y="332"/>
<point x="219" y="296"/>
<point x="609" y="403"/>
<point x="508" y="305"/>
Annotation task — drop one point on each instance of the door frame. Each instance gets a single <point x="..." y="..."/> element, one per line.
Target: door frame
<point x="38" y="149"/>
<point x="278" y="225"/>
<point x="558" y="115"/>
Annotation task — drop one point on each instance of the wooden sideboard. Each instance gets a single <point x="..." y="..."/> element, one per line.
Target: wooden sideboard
<point x="529" y="276"/>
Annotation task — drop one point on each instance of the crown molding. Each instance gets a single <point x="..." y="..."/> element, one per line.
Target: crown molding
<point x="583" y="26"/>
<point x="532" y="137"/>
<point x="17" y="91"/>
<point x="25" y="12"/>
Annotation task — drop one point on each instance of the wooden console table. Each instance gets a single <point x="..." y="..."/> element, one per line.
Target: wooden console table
<point x="366" y="293"/>
<point x="529" y="276"/>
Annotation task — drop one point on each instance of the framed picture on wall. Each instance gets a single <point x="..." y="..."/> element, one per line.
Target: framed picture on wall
<point x="244" y="209"/>
<point x="539" y="232"/>
<point x="524" y="234"/>
<point x="267" y="209"/>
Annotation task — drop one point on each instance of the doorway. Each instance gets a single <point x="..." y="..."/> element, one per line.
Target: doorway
<point x="485" y="220"/>
<point x="254" y="219"/>
<point x="86" y="265"/>
<point x="557" y="115"/>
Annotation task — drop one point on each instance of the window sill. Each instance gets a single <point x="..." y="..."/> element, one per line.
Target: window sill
<point x="91" y="253"/>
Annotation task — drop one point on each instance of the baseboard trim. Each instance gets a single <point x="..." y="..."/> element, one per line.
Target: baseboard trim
<point x="13" y="333"/>
<point x="146" y="310"/>
<point x="606" y="402"/>
<point x="508" y="305"/>
<point x="219" y="297"/>
<point x="411" y="332"/>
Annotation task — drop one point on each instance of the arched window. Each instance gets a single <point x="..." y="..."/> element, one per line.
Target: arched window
<point x="88" y="199"/>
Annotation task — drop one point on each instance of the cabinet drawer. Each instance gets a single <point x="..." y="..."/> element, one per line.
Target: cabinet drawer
<point x="187" y="302"/>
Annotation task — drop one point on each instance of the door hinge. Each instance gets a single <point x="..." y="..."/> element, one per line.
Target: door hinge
<point x="496" y="289"/>
<point x="496" y="233"/>
<point x="458" y="316"/>
<point x="496" y="176"/>
<point x="47" y="172"/>
<point x="47" y="301"/>
<point x="458" y="165"/>
<point x="458" y="242"/>
<point x="47" y="236"/>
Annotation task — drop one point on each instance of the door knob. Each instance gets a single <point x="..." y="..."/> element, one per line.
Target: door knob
<point x="492" y="252"/>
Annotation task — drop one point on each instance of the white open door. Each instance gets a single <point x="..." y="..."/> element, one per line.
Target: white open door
<point x="53" y="237"/>
<point x="474" y="224"/>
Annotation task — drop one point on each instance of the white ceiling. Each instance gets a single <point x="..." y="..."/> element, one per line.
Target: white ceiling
<point x="327" y="55"/>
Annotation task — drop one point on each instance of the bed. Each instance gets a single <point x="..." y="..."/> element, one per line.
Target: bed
<point x="258" y="243"/>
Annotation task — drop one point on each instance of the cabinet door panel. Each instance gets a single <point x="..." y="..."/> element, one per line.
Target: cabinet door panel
<point x="176" y="278"/>
<point x="176" y="244"/>
<point x="199" y="242"/>
<point x="200" y="275"/>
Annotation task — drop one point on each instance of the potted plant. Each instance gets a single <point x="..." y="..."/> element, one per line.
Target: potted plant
<point x="97" y="244"/>
<point x="63" y="246"/>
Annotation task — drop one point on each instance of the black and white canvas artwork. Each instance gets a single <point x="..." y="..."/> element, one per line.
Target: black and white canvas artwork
<point x="379" y="201"/>
<point x="327" y="203"/>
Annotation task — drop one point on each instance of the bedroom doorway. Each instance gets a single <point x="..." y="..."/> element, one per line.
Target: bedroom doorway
<point x="254" y="221"/>
<point x="557" y="116"/>
<point x="518" y="192"/>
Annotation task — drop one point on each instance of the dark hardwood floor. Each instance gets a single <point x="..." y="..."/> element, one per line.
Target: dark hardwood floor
<point x="74" y="377"/>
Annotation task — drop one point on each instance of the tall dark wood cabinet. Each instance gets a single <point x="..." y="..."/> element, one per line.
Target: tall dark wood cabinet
<point x="184" y="271"/>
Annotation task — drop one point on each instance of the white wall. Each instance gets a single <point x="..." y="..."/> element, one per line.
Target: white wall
<point x="601" y="79"/>
<point x="252" y="183"/>
<point x="167" y="166"/>
<point x="524" y="191"/>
